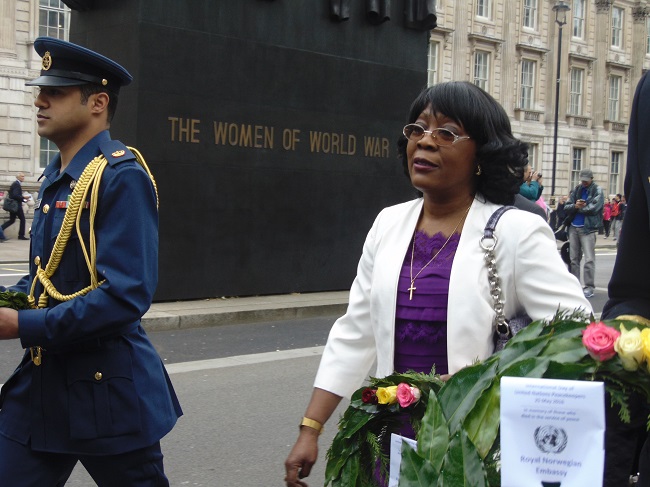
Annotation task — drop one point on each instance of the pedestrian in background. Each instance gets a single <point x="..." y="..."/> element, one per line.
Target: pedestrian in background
<point x="532" y="188"/>
<point x="629" y="295"/>
<point x="607" y="216"/>
<point x="90" y="388"/>
<point x="616" y="223"/>
<point x="421" y="296"/>
<point x="16" y="193"/>
<point x="586" y="201"/>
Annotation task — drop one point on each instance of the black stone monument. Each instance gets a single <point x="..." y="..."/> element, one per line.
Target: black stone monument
<point x="270" y="127"/>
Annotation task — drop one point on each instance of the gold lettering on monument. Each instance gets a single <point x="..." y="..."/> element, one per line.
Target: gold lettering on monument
<point x="257" y="136"/>
<point x="332" y="143"/>
<point x="243" y="135"/>
<point x="184" y="129"/>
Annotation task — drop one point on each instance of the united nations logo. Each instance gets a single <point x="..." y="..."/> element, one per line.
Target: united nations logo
<point x="47" y="61"/>
<point x="550" y="439"/>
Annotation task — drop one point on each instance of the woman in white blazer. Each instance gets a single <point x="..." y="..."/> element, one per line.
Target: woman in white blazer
<point x="459" y="153"/>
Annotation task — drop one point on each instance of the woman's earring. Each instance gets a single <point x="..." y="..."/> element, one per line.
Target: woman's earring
<point x="478" y="170"/>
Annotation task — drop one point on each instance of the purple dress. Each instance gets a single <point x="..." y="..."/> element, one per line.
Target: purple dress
<point x="421" y="323"/>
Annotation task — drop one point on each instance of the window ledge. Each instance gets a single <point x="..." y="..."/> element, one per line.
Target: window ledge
<point x="528" y="115"/>
<point x="615" y="126"/>
<point x="578" y="121"/>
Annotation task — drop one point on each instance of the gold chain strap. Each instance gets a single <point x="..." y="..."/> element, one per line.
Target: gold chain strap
<point x="88" y="182"/>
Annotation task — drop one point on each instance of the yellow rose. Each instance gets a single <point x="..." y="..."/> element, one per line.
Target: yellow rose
<point x="387" y="395"/>
<point x="645" y="345"/>
<point x="629" y="348"/>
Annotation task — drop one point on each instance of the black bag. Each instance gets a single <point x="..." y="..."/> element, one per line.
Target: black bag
<point x="10" y="205"/>
<point x="505" y="329"/>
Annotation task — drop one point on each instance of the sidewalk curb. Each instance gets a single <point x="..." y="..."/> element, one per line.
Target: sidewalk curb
<point x="180" y="315"/>
<point x="161" y="321"/>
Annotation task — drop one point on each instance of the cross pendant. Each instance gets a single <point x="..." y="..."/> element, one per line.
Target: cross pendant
<point x="410" y="290"/>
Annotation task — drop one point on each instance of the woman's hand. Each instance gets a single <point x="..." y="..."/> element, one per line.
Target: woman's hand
<point x="302" y="457"/>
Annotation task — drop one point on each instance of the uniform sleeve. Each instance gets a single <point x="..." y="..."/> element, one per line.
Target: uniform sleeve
<point x="126" y="229"/>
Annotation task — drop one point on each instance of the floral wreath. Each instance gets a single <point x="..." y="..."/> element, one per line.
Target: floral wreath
<point x="457" y="422"/>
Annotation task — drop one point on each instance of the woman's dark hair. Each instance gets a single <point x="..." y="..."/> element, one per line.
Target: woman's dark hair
<point x="502" y="157"/>
<point x="91" y="89"/>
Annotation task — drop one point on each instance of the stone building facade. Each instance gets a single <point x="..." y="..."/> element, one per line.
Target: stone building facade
<point x="509" y="47"/>
<point x="21" y="149"/>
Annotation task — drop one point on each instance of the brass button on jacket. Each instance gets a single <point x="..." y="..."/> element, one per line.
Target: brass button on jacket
<point x="98" y="376"/>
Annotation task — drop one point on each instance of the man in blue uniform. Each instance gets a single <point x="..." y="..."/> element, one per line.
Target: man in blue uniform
<point x="90" y="387"/>
<point x="629" y="292"/>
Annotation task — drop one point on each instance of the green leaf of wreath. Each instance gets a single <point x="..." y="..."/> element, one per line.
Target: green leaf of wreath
<point x="433" y="438"/>
<point x="416" y="471"/>
<point x="459" y="395"/>
<point x="482" y="423"/>
<point x="463" y="465"/>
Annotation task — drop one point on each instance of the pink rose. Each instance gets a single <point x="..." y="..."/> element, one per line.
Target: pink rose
<point x="407" y="395"/>
<point x="599" y="340"/>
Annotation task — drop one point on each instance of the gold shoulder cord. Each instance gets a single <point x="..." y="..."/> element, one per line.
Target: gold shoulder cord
<point x="88" y="182"/>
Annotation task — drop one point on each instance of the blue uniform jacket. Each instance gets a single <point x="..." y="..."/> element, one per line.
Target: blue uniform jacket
<point x="101" y="388"/>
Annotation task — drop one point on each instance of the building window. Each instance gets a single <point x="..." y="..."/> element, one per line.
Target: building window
<point x="481" y="69"/>
<point x="47" y="152"/>
<point x="434" y="49"/>
<point x="530" y="13"/>
<point x="527" y="92"/>
<point x="576" y="89"/>
<point x="579" y="19"/>
<point x="614" y="101"/>
<point x="617" y="27"/>
<point x="53" y="19"/>
<point x="483" y="8"/>
<point x="614" y="171"/>
<point x="576" y="166"/>
<point x="532" y="156"/>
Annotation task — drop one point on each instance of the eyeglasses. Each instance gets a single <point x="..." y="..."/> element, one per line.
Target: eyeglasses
<point x="415" y="132"/>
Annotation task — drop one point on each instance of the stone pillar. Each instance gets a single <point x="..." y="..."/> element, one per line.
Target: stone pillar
<point x="639" y="14"/>
<point x="8" y="28"/>
<point x="460" y="45"/>
<point x="602" y="41"/>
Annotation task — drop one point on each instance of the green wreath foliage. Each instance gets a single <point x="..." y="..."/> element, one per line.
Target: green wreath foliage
<point x="14" y="300"/>
<point x="457" y="422"/>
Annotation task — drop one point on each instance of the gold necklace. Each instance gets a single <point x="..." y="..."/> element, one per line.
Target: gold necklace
<point x="413" y="288"/>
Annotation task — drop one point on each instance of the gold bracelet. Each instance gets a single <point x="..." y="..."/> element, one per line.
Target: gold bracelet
<point x="312" y="423"/>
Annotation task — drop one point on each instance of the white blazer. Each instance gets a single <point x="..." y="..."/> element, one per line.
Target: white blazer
<point x="534" y="280"/>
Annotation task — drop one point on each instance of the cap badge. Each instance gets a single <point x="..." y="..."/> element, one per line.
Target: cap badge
<point x="118" y="153"/>
<point x="47" y="61"/>
<point x="104" y="82"/>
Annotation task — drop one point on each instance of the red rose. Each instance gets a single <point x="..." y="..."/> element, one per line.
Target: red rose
<point x="369" y="396"/>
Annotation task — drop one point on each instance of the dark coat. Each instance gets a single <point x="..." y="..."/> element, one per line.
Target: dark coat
<point x="101" y="388"/>
<point x="629" y="287"/>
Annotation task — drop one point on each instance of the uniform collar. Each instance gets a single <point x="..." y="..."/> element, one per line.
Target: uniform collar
<point x="79" y="162"/>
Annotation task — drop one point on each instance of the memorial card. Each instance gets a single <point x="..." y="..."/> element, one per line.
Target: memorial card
<point x="396" y="457"/>
<point x="552" y="432"/>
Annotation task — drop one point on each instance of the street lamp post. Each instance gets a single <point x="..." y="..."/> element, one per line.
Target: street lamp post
<point x="560" y="10"/>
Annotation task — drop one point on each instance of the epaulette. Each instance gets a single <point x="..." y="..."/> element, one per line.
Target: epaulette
<point x="115" y="152"/>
